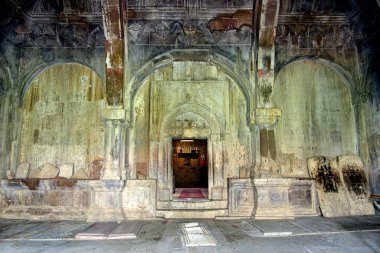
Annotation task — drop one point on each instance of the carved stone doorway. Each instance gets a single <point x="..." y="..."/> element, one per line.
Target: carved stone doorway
<point x="190" y="168"/>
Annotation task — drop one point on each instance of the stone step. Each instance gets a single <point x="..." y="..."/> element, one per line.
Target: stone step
<point x="193" y="204"/>
<point x="191" y="214"/>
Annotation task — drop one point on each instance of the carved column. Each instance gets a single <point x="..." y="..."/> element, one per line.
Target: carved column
<point x="264" y="117"/>
<point x="115" y="124"/>
<point x="114" y="23"/>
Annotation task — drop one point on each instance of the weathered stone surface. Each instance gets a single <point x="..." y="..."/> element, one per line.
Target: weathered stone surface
<point x="342" y="186"/>
<point x="326" y="123"/>
<point x="139" y="198"/>
<point x="80" y="174"/>
<point x="331" y="192"/>
<point x="96" y="168"/>
<point x="66" y="198"/>
<point x="203" y="69"/>
<point x="241" y="197"/>
<point x="105" y="201"/>
<point x="51" y="198"/>
<point x="67" y="93"/>
<point x="48" y="171"/>
<point x="265" y="116"/>
<point x="10" y="174"/>
<point x="37" y="198"/>
<point x="276" y="198"/>
<point x="356" y="185"/>
<point x="35" y="173"/>
<point x="22" y="170"/>
<point x="66" y="170"/>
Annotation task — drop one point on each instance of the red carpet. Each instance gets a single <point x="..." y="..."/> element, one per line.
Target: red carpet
<point x="191" y="193"/>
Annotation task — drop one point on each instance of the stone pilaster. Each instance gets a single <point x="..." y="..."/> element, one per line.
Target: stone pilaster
<point x="264" y="116"/>
<point x="115" y="125"/>
<point x="113" y="23"/>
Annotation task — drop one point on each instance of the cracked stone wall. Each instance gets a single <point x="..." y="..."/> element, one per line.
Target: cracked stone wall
<point x="62" y="118"/>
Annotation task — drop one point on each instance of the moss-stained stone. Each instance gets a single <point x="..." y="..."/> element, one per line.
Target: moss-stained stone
<point x="318" y="115"/>
<point x="63" y="105"/>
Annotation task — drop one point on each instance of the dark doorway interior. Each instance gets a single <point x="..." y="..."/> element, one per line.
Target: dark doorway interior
<point x="190" y="167"/>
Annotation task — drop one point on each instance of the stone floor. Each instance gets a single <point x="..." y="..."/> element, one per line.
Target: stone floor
<point x="310" y="235"/>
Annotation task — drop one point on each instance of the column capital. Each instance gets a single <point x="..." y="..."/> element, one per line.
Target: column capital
<point x="265" y="116"/>
<point x="116" y="115"/>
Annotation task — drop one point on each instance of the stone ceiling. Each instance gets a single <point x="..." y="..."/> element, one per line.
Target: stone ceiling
<point x="78" y="23"/>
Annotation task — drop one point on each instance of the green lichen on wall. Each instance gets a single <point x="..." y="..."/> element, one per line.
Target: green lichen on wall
<point x="62" y="117"/>
<point x="318" y="117"/>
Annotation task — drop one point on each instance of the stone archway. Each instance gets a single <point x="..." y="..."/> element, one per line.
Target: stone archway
<point x="192" y="120"/>
<point x="61" y="112"/>
<point x="322" y="122"/>
<point x="187" y="99"/>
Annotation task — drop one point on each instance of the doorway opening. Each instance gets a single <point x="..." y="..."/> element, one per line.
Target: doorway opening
<point x="190" y="169"/>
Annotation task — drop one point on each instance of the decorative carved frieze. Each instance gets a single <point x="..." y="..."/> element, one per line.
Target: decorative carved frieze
<point x="187" y="33"/>
<point x="43" y="35"/>
<point x="308" y="35"/>
<point x="189" y="5"/>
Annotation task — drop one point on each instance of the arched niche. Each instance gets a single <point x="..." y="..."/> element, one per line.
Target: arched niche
<point x="189" y="99"/>
<point x="317" y="115"/>
<point x="190" y="120"/>
<point x="61" y="117"/>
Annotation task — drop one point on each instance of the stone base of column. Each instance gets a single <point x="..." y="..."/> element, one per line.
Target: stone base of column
<point x="106" y="200"/>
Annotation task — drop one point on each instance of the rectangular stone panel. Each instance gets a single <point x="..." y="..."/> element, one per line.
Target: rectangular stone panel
<point x="241" y="197"/>
<point x="300" y="196"/>
<point x="356" y="185"/>
<point x="331" y="193"/>
<point x="22" y="170"/>
<point x="139" y="198"/>
<point x="284" y="198"/>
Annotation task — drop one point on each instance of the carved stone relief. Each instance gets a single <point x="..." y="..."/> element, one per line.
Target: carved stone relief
<point x="189" y="125"/>
<point x="314" y="36"/>
<point x="186" y="33"/>
<point x="43" y="35"/>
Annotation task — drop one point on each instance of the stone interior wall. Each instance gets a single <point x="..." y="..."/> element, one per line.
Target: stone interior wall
<point x="189" y="85"/>
<point x="373" y="133"/>
<point x="62" y="118"/>
<point x="5" y="133"/>
<point x="317" y="116"/>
